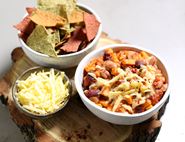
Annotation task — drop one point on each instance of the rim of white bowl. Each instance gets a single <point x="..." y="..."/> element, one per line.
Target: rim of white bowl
<point x="90" y="45"/>
<point x="90" y="55"/>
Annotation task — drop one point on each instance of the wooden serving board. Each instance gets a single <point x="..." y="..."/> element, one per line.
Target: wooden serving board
<point x="75" y="123"/>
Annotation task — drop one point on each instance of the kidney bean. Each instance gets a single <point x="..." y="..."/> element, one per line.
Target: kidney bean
<point x="138" y="63"/>
<point x="139" y="109"/>
<point x="91" y="93"/>
<point x="106" y="56"/>
<point x="105" y="74"/>
<point x="109" y="65"/>
<point x="88" y="80"/>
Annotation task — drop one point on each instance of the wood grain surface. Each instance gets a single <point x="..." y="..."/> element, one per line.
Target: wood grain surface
<point x="75" y="123"/>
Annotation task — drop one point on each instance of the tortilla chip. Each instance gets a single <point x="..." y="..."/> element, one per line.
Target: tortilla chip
<point x="54" y="36"/>
<point x="26" y="26"/>
<point x="83" y="45"/>
<point x="52" y="5"/>
<point x="55" y="9"/>
<point x="39" y="41"/>
<point x="76" y="16"/>
<point x="91" y="25"/>
<point x="47" y="19"/>
<point x="63" y="8"/>
<point x="65" y="34"/>
<point x="23" y="36"/>
<point x="74" y="42"/>
<point x="60" y="44"/>
<point x="30" y="10"/>
<point x="47" y="3"/>
<point x="64" y="38"/>
<point x="63" y="11"/>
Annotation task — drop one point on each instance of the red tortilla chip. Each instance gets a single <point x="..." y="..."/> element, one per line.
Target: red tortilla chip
<point x="83" y="44"/>
<point x="91" y="25"/>
<point x="30" y="10"/>
<point x="23" y="36"/>
<point x="25" y="26"/>
<point x="74" y="42"/>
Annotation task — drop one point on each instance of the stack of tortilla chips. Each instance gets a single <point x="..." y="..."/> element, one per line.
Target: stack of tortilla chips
<point x="57" y="27"/>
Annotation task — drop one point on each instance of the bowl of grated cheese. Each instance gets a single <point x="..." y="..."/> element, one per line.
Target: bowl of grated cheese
<point x="40" y="92"/>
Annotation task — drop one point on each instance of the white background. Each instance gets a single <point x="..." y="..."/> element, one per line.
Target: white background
<point x="158" y="25"/>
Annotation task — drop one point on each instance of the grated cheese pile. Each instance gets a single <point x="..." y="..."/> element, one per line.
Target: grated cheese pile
<point x="42" y="92"/>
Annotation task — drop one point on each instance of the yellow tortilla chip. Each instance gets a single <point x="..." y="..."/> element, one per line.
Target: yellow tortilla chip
<point x="47" y="19"/>
<point x="76" y="16"/>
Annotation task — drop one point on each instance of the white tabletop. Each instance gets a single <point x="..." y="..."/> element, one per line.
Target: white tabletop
<point x="158" y="25"/>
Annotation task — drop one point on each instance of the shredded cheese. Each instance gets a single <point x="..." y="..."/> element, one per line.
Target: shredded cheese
<point x="42" y="92"/>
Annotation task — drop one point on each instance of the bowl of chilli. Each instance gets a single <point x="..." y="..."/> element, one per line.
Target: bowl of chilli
<point x="123" y="84"/>
<point x="62" y="44"/>
<point x="41" y="92"/>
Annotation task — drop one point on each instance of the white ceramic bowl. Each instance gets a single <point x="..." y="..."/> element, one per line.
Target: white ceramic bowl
<point x="114" y="117"/>
<point x="68" y="60"/>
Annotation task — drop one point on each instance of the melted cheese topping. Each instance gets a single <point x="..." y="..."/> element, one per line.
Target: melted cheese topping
<point x="124" y="81"/>
<point x="132" y="84"/>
